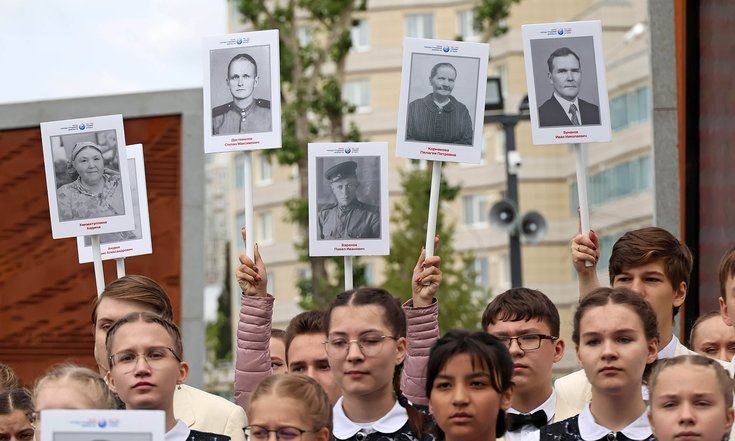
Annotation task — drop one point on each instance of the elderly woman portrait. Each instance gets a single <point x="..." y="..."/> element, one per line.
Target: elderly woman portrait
<point x="96" y="191"/>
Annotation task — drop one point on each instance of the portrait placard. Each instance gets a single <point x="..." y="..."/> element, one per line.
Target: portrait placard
<point x="99" y="425"/>
<point x="87" y="176"/>
<point x="126" y="243"/>
<point x="242" y="92"/>
<point x="440" y="113"/>
<point x="348" y="199"/>
<point x="567" y="90"/>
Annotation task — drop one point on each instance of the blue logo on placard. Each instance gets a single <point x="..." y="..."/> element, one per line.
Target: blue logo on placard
<point x="82" y="126"/>
<point x="446" y="48"/>
<point x="239" y="41"/>
<point x="560" y="31"/>
<point x="348" y="150"/>
<point x="102" y="423"/>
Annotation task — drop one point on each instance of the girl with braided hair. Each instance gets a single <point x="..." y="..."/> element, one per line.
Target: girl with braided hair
<point x="366" y="346"/>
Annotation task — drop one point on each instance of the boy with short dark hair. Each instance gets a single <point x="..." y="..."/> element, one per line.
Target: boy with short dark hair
<point x="527" y="321"/>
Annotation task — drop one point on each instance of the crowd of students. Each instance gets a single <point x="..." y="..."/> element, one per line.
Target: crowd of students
<point x="372" y="369"/>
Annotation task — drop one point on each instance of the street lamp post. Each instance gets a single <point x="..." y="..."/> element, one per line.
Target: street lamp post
<point x="494" y="114"/>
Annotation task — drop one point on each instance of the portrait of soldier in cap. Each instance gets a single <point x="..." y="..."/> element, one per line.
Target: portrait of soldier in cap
<point x="245" y="113"/>
<point x="347" y="218"/>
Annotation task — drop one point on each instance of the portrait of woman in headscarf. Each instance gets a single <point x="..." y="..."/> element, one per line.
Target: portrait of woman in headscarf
<point x="96" y="191"/>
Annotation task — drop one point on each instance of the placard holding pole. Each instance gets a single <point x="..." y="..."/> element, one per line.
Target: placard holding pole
<point x="99" y="272"/>
<point x="247" y="174"/>
<point x="120" y="266"/>
<point x="436" y="174"/>
<point x="580" y="155"/>
<point x="348" y="273"/>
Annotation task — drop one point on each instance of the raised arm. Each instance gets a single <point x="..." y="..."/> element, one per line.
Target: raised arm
<point x="422" y="314"/>
<point x="253" y="359"/>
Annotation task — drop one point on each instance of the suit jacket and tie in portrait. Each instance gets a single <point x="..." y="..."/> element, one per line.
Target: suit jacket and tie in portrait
<point x="552" y="114"/>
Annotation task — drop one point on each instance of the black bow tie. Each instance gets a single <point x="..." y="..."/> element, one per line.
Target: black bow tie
<point x="517" y="420"/>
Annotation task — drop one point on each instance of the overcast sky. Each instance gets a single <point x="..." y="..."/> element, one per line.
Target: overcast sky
<point x="53" y="49"/>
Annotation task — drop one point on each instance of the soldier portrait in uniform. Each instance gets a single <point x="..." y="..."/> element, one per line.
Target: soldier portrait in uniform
<point x="347" y="217"/>
<point x="246" y="113"/>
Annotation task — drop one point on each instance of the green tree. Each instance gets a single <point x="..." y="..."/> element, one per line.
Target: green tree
<point x="219" y="332"/>
<point x="312" y="76"/>
<point x="489" y="17"/>
<point x="461" y="305"/>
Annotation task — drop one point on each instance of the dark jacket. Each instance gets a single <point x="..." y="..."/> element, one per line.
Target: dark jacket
<point x="551" y="114"/>
<point x="428" y="122"/>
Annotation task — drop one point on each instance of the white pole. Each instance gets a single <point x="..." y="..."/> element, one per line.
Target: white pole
<point x="436" y="174"/>
<point x="248" y="186"/>
<point x="348" y="273"/>
<point x="120" y="265"/>
<point x="99" y="272"/>
<point x="580" y="154"/>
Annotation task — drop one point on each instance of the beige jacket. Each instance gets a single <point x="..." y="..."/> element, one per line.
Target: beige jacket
<point x="207" y="412"/>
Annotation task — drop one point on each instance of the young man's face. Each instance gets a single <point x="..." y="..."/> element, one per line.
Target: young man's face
<point x="652" y="283"/>
<point x="715" y="339"/>
<point x="531" y="368"/>
<point x="306" y="355"/>
<point x="727" y="305"/>
<point x="108" y="312"/>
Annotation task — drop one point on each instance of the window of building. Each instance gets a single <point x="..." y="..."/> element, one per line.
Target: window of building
<point x="360" y="36"/>
<point x="357" y="93"/>
<point x="614" y="183"/>
<point x="465" y="26"/>
<point x="481" y="269"/>
<point x="475" y="210"/>
<point x="502" y="72"/>
<point x="500" y="144"/>
<point x="240" y="171"/>
<point x="264" y="169"/>
<point x="264" y="228"/>
<point x="630" y="108"/>
<point x="420" y="25"/>
<point x="303" y="34"/>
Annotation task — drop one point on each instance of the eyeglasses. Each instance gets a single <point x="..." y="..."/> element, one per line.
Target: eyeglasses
<point x="369" y="345"/>
<point x="260" y="433"/>
<point x="528" y="342"/>
<point x="155" y="357"/>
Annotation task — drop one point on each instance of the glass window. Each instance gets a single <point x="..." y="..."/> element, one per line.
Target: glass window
<point x="465" y="27"/>
<point x="420" y="25"/>
<point x="357" y="93"/>
<point x="622" y="180"/>
<point x="475" y="210"/>
<point x="630" y="108"/>
<point x="482" y="274"/>
<point x="264" y="169"/>
<point x="264" y="228"/>
<point x="240" y="171"/>
<point x="360" y="36"/>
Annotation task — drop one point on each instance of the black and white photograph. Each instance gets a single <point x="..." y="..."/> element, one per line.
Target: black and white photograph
<point x="137" y="241"/>
<point x="242" y="92"/>
<point x="440" y="114"/>
<point x="87" y="176"/>
<point x="566" y="82"/>
<point x="102" y="425"/>
<point x="348" y="197"/>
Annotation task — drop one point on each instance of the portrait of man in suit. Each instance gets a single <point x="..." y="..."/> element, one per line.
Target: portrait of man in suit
<point x="564" y="107"/>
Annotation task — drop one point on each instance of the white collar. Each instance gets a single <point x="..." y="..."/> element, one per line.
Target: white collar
<point x="566" y="104"/>
<point x="590" y="430"/>
<point x="345" y="428"/>
<point x="179" y="432"/>
<point x="548" y="406"/>
<point x="669" y="351"/>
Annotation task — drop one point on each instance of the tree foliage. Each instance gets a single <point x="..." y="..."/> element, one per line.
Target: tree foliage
<point x="219" y="332"/>
<point x="461" y="305"/>
<point x="489" y="17"/>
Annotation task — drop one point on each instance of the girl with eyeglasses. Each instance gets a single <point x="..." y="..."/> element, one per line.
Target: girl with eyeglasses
<point x="16" y="415"/>
<point x="293" y="407"/>
<point x="366" y="346"/>
<point x="144" y="352"/>
<point x="691" y="398"/>
<point x="468" y="383"/>
<point x="616" y="338"/>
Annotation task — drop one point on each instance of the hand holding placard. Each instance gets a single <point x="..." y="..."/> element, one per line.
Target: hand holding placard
<point x="426" y="278"/>
<point x="252" y="276"/>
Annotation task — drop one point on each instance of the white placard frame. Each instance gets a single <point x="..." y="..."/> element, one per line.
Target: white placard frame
<point x="584" y="39"/>
<point x="470" y="62"/>
<point x="218" y="51"/>
<point x="322" y="156"/>
<point x="93" y="425"/>
<point x="58" y="139"/>
<point x="120" y="249"/>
